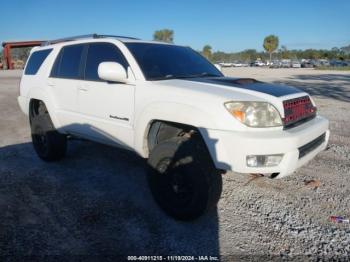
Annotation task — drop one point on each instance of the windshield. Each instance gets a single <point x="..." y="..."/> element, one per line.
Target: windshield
<point x="162" y="61"/>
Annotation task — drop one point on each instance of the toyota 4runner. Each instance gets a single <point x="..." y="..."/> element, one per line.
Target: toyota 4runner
<point x="170" y="105"/>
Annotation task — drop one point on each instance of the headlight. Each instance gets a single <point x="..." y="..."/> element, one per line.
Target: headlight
<point x="255" y="114"/>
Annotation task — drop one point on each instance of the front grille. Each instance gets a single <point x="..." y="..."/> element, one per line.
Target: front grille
<point x="297" y="111"/>
<point x="307" y="148"/>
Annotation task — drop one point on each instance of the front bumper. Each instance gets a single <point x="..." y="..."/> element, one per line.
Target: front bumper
<point x="229" y="149"/>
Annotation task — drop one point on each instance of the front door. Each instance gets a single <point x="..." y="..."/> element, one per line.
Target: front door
<point x="106" y="108"/>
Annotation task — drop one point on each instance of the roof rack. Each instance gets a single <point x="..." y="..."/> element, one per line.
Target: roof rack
<point x="72" y="38"/>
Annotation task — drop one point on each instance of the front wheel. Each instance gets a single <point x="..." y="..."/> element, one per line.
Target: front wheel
<point x="183" y="179"/>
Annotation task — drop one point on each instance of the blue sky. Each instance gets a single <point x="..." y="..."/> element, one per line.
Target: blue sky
<point x="225" y="25"/>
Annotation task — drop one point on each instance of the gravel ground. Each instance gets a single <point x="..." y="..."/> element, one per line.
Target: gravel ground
<point x="96" y="202"/>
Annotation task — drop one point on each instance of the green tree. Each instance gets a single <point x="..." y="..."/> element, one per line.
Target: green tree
<point x="270" y="44"/>
<point x="206" y="52"/>
<point x="345" y="49"/>
<point x="164" y="35"/>
<point x="285" y="54"/>
<point x="249" y="55"/>
<point x="219" y="56"/>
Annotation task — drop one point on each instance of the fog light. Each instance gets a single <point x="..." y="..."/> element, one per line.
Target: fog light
<point x="264" y="160"/>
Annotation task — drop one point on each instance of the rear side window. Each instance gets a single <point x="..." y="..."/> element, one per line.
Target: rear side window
<point x="102" y="52"/>
<point x="35" y="61"/>
<point x="68" y="62"/>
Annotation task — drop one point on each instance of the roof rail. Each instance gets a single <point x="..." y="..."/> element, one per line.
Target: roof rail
<point x="72" y="38"/>
<point x="116" y="36"/>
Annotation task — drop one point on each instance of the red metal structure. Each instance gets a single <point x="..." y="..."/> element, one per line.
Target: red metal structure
<point x="7" y="50"/>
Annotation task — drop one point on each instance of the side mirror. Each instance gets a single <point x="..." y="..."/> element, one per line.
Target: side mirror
<point x="112" y="71"/>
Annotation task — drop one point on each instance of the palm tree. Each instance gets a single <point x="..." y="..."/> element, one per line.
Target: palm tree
<point x="164" y="35"/>
<point x="270" y="44"/>
<point x="206" y="52"/>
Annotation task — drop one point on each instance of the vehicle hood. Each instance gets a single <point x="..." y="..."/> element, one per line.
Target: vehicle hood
<point x="231" y="87"/>
<point x="219" y="90"/>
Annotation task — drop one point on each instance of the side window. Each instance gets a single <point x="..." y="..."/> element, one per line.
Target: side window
<point x="56" y="65"/>
<point x="68" y="61"/>
<point x="102" y="52"/>
<point x="35" y="61"/>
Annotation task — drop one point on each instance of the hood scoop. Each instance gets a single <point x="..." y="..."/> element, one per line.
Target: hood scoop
<point x="242" y="81"/>
<point x="249" y="84"/>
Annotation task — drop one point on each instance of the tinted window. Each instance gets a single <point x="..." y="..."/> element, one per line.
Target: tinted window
<point x="56" y="65"/>
<point x="36" y="60"/>
<point x="160" y="61"/>
<point x="101" y="52"/>
<point x="70" y="61"/>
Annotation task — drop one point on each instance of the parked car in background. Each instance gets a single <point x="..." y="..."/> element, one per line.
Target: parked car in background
<point x="237" y="64"/>
<point x="324" y="62"/>
<point x="295" y="64"/>
<point x="218" y="66"/>
<point x="339" y="63"/>
<point x="259" y="63"/>
<point x="225" y="64"/>
<point x="307" y="64"/>
<point x="286" y="63"/>
<point x="275" y="64"/>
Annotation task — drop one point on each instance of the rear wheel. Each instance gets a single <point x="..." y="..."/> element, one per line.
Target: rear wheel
<point x="183" y="179"/>
<point x="48" y="143"/>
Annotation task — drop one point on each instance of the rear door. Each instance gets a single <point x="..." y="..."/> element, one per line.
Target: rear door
<point x="106" y="107"/>
<point x="65" y="79"/>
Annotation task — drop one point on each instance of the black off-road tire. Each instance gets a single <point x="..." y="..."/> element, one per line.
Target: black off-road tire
<point x="48" y="143"/>
<point x="183" y="179"/>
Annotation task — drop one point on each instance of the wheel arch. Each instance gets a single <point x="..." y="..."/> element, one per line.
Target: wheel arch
<point x="37" y="94"/>
<point x="160" y="131"/>
<point x="175" y="117"/>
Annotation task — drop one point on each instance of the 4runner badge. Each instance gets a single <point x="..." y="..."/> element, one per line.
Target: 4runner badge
<point x="119" y="118"/>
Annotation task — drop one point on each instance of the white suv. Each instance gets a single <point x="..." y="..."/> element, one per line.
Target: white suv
<point x="170" y="105"/>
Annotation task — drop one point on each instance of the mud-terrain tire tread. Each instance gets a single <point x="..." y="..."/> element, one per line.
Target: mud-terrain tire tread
<point x="207" y="177"/>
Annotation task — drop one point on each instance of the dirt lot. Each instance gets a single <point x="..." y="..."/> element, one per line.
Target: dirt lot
<point x="96" y="202"/>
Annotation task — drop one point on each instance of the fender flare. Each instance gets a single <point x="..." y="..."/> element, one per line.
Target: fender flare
<point x="169" y="112"/>
<point x="43" y="95"/>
